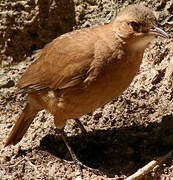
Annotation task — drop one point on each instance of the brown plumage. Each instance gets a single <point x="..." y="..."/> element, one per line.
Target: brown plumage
<point x="85" y="69"/>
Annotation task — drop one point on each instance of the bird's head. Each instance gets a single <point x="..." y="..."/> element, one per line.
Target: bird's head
<point x="137" y="26"/>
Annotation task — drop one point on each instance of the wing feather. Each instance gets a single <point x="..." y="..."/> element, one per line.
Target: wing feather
<point x="67" y="61"/>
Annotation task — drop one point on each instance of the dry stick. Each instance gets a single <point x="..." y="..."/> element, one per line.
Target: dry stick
<point x="150" y="166"/>
<point x="17" y="163"/>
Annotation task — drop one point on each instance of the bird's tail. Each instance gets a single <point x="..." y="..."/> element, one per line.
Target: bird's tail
<point x="22" y="124"/>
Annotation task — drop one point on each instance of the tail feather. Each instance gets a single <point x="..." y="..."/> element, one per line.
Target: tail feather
<point x="22" y="124"/>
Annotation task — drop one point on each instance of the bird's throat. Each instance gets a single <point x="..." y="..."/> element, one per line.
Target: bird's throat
<point x="141" y="44"/>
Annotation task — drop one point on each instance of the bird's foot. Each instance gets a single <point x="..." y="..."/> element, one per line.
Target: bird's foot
<point x="74" y="157"/>
<point x="82" y="166"/>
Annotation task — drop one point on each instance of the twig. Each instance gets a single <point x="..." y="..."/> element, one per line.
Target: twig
<point x="30" y="163"/>
<point x="17" y="163"/>
<point x="150" y="166"/>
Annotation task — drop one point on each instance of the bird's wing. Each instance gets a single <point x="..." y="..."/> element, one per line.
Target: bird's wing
<point x="66" y="62"/>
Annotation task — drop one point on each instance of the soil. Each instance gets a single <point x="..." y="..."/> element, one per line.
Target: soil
<point x="124" y="135"/>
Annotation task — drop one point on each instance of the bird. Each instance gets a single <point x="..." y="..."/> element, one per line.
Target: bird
<point x="85" y="69"/>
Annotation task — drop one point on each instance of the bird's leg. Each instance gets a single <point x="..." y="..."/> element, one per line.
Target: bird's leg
<point x="80" y="125"/>
<point x="73" y="155"/>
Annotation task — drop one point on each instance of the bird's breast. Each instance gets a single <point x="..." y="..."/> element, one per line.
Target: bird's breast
<point x="109" y="85"/>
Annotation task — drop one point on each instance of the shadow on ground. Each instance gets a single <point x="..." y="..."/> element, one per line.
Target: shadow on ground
<point x="116" y="151"/>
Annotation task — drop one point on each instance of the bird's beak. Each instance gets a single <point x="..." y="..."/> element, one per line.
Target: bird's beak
<point x="155" y="31"/>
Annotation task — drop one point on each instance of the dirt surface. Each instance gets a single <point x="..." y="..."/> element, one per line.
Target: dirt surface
<point x="124" y="135"/>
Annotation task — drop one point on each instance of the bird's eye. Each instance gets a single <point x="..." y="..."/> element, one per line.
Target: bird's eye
<point x="135" y="26"/>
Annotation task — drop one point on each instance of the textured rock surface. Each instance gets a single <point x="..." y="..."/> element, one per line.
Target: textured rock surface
<point x="28" y="25"/>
